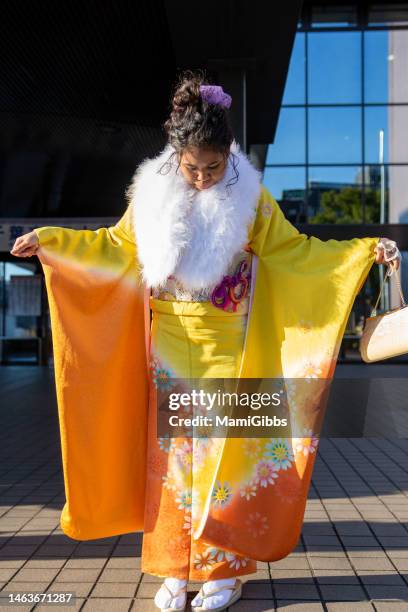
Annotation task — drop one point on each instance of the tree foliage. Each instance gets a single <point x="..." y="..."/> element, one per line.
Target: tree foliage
<point x="345" y="206"/>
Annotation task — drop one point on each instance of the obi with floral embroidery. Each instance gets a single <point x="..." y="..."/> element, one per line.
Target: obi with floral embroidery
<point x="230" y="294"/>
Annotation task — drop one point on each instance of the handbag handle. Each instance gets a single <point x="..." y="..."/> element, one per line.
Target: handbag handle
<point x="387" y="274"/>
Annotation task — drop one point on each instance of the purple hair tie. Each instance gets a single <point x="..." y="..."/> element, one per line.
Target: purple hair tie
<point x="215" y="95"/>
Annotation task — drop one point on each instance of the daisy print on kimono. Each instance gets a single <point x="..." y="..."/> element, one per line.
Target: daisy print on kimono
<point x="161" y="373"/>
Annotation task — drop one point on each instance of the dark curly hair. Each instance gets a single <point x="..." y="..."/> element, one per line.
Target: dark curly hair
<point x="194" y="122"/>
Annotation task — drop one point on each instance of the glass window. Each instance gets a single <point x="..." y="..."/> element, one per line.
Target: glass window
<point x="393" y="120"/>
<point x="21" y="297"/>
<point x="335" y="135"/>
<point x="295" y="83"/>
<point x="287" y="185"/>
<point x="21" y="313"/>
<point x="386" y="66"/>
<point x="334" y="16"/>
<point x="334" y="67"/>
<point x="388" y="14"/>
<point x="335" y="194"/>
<point x="289" y="145"/>
<point x="376" y="59"/>
<point x="376" y="120"/>
<point x="376" y="194"/>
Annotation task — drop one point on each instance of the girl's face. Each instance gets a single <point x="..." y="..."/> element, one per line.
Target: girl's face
<point x="202" y="168"/>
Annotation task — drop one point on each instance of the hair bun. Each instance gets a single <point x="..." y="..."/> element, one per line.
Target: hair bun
<point x="193" y="121"/>
<point x="187" y="94"/>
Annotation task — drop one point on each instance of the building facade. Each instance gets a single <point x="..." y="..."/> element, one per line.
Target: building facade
<point x="340" y="154"/>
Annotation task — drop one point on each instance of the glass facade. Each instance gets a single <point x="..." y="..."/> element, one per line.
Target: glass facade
<point x="340" y="154"/>
<point x="342" y="126"/>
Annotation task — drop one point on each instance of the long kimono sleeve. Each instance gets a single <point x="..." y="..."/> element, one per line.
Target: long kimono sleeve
<point x="303" y="290"/>
<point x="97" y="313"/>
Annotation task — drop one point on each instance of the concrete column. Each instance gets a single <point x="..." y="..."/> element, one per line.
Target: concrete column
<point x="233" y="81"/>
<point x="257" y="155"/>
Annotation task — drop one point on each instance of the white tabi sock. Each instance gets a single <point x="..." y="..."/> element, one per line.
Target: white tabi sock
<point x="219" y="599"/>
<point x="163" y="599"/>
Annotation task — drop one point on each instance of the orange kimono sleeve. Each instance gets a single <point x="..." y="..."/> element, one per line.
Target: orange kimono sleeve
<point x="97" y="312"/>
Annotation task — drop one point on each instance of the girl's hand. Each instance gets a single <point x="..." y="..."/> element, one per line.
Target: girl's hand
<point x="388" y="253"/>
<point x="26" y="245"/>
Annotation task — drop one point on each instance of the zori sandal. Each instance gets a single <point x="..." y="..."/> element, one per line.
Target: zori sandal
<point x="236" y="592"/>
<point x="168" y="608"/>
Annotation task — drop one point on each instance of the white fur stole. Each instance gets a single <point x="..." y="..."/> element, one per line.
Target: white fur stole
<point x="186" y="232"/>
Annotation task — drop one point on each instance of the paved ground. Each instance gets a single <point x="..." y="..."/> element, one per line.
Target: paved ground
<point x="352" y="556"/>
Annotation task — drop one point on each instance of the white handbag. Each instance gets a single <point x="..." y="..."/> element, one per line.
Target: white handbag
<point x="385" y="335"/>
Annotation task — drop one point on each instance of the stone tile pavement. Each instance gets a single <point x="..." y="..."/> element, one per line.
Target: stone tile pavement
<point x="352" y="554"/>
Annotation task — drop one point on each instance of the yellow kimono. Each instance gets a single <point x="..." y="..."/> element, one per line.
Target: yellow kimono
<point x="302" y="292"/>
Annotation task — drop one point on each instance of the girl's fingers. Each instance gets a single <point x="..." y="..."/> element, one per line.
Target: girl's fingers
<point x="25" y="252"/>
<point x="379" y="256"/>
<point x="18" y="247"/>
<point x="25" y="245"/>
<point x="21" y="251"/>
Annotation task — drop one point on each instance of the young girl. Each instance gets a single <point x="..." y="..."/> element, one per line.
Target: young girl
<point x="192" y="213"/>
